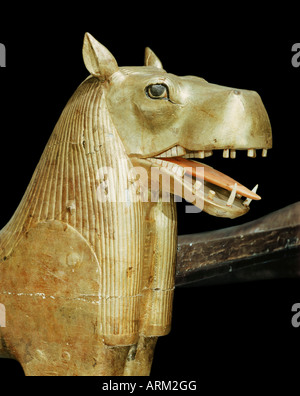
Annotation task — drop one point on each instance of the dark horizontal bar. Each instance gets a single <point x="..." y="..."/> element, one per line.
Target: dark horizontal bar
<point x="261" y="249"/>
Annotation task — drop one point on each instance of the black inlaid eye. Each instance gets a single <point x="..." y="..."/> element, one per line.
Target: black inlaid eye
<point x="157" y="91"/>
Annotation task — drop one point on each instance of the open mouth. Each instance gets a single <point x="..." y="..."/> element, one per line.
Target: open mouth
<point x="213" y="191"/>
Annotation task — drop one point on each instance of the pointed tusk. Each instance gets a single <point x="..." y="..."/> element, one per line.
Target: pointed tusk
<point x="232" y="196"/>
<point x="248" y="200"/>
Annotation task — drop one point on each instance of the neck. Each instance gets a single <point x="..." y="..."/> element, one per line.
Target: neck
<point x="65" y="184"/>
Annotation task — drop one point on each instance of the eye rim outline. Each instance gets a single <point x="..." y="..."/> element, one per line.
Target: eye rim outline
<point x="159" y="97"/>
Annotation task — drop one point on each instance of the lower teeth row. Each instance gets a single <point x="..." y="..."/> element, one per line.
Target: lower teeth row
<point x="179" y="171"/>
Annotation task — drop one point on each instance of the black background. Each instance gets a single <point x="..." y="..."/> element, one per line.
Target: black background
<point x="230" y="331"/>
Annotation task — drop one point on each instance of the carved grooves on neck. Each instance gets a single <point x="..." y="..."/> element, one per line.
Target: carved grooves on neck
<point x="64" y="187"/>
<point x="82" y="147"/>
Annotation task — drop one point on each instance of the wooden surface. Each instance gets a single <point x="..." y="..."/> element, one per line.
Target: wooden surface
<point x="224" y="255"/>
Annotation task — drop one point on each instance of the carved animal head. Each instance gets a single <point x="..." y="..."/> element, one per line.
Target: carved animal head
<point x="163" y="119"/>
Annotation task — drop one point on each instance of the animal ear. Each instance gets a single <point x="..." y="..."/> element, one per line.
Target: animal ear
<point x="151" y="59"/>
<point x="97" y="59"/>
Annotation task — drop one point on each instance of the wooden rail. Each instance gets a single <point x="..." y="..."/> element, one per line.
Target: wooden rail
<point x="261" y="249"/>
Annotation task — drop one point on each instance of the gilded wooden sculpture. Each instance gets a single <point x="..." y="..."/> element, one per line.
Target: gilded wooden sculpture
<point x="87" y="261"/>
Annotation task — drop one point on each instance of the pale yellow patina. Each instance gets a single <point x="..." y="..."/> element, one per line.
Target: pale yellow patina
<point x="87" y="262"/>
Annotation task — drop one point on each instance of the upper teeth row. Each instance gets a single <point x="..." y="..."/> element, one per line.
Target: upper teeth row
<point x="250" y="153"/>
<point x="180" y="151"/>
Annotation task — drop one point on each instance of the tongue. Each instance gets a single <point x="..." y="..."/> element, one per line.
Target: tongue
<point x="213" y="176"/>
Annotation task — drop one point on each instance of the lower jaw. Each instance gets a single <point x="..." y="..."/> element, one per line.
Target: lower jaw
<point x="206" y="196"/>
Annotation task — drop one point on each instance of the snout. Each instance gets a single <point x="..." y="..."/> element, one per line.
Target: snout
<point x="227" y="118"/>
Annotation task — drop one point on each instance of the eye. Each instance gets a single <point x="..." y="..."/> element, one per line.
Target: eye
<point x="157" y="91"/>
